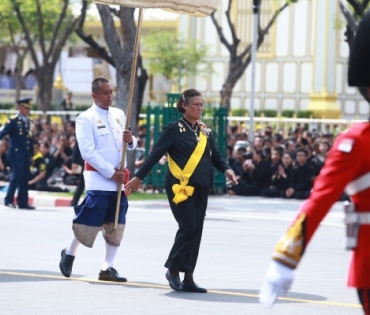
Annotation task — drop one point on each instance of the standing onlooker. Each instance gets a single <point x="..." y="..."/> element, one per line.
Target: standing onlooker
<point x="78" y="166"/>
<point x="100" y="136"/>
<point x="20" y="153"/>
<point x="67" y="104"/>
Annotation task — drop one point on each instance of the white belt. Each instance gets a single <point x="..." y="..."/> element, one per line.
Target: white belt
<point x="359" y="184"/>
<point x="357" y="217"/>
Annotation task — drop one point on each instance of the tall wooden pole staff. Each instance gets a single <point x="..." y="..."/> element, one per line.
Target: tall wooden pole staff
<point x="128" y="111"/>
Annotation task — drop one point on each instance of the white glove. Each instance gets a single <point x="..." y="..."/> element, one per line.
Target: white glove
<point x="278" y="279"/>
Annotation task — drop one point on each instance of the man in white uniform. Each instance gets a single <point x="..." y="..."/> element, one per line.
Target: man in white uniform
<point x="100" y="136"/>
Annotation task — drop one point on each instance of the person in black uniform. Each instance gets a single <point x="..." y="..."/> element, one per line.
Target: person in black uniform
<point x="77" y="160"/>
<point x="191" y="156"/>
<point x="20" y="153"/>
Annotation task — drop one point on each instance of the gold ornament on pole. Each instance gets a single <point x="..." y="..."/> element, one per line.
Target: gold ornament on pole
<point x="199" y="8"/>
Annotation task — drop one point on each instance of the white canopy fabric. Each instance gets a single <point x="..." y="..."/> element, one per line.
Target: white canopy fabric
<point x="190" y="7"/>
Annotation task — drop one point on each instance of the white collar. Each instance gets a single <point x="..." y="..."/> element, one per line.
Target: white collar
<point x="100" y="111"/>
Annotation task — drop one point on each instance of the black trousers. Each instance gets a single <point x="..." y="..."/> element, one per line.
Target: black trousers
<point x="189" y="215"/>
<point x="364" y="296"/>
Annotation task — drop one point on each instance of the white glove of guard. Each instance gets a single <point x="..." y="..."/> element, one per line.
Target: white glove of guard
<point x="278" y="279"/>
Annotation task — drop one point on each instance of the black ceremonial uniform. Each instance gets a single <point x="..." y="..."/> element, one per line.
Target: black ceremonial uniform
<point x="19" y="154"/>
<point x="190" y="213"/>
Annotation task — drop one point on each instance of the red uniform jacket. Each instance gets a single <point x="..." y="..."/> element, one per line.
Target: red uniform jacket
<point x="348" y="160"/>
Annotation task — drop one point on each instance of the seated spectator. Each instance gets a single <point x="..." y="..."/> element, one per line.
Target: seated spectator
<point x="237" y="165"/>
<point x="314" y="162"/>
<point x="255" y="178"/>
<point x="63" y="151"/>
<point x="300" y="184"/>
<point x="267" y="154"/>
<point x="280" y="179"/>
<point x="70" y="177"/>
<point x="290" y="147"/>
<point x="267" y="142"/>
<point x="276" y="156"/>
<point x="38" y="167"/>
<point x="258" y="142"/>
<point x="5" y="171"/>
<point x="45" y="183"/>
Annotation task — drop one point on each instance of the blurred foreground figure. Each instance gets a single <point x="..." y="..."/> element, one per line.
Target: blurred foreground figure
<point x="338" y="174"/>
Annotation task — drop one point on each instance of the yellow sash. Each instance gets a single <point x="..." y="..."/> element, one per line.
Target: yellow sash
<point x="182" y="191"/>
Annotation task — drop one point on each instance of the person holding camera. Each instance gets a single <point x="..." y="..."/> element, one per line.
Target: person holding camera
<point x="281" y="177"/>
<point x="255" y="178"/>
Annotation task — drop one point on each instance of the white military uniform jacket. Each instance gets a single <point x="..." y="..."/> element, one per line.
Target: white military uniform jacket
<point x="99" y="134"/>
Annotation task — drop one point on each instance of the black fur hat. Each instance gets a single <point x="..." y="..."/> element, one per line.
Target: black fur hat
<point x="359" y="60"/>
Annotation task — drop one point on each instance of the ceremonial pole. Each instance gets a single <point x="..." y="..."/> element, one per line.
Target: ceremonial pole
<point x="128" y="111"/>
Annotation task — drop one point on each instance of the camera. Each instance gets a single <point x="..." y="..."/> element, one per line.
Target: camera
<point x="248" y="156"/>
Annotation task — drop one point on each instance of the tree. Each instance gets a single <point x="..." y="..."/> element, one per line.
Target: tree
<point x="14" y="40"/>
<point x="119" y="55"/>
<point x="50" y="23"/>
<point x="239" y="61"/>
<point x="174" y="57"/>
<point x="353" y="17"/>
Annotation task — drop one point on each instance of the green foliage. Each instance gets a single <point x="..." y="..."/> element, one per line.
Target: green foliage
<point x="50" y="9"/>
<point x="239" y="112"/>
<point x="174" y="57"/>
<point x="265" y="113"/>
<point x="304" y="114"/>
<point x="288" y="113"/>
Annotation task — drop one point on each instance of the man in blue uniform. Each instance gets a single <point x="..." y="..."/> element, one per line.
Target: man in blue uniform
<point x="20" y="153"/>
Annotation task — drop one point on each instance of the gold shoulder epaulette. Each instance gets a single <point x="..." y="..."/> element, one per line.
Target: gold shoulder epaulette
<point x="13" y="116"/>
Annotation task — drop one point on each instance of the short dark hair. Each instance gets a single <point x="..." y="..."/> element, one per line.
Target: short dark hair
<point x="95" y="85"/>
<point x="45" y="144"/>
<point x="302" y="150"/>
<point x="279" y="150"/>
<point x="186" y="98"/>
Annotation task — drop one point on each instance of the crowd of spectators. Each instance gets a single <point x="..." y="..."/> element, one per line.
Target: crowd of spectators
<point x="52" y="165"/>
<point x="274" y="165"/>
<point x="8" y="79"/>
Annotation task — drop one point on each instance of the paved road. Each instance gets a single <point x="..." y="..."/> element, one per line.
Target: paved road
<point x="239" y="236"/>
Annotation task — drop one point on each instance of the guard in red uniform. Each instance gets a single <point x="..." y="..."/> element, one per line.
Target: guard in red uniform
<point x="347" y="168"/>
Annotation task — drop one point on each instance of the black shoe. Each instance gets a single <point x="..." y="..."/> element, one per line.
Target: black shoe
<point x="10" y="205"/>
<point x="174" y="283"/>
<point x="66" y="263"/>
<point x="111" y="274"/>
<point x="193" y="288"/>
<point x="28" y="207"/>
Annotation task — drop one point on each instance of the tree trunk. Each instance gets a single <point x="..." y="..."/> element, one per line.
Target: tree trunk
<point x="45" y="80"/>
<point x="236" y="71"/>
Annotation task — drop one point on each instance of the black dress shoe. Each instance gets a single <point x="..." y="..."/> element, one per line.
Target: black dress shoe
<point x="28" y="207"/>
<point x="111" y="274"/>
<point x="10" y="205"/>
<point x="193" y="288"/>
<point x="66" y="263"/>
<point x="174" y="283"/>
